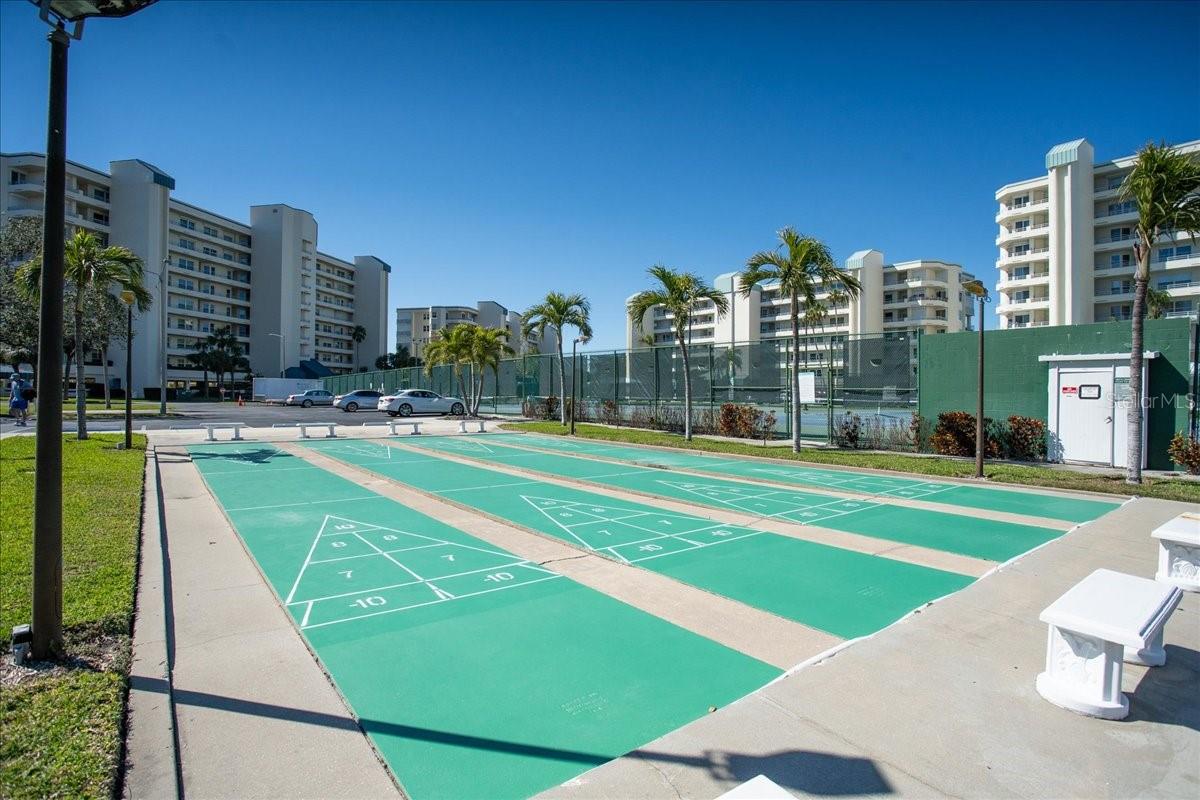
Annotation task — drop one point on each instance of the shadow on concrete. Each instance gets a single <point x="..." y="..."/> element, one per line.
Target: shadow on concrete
<point x="798" y="770"/>
<point x="257" y="455"/>
<point x="1170" y="694"/>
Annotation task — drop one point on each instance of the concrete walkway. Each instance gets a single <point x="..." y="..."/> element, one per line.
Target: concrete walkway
<point x="226" y="698"/>
<point x="943" y="704"/>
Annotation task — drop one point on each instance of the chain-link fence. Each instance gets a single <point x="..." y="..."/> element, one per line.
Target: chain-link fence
<point x="872" y="377"/>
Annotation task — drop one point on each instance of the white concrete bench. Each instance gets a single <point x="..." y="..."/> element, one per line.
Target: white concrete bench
<point x="1179" y="552"/>
<point x="1105" y="619"/>
<point x="393" y="424"/>
<point x="462" y="425"/>
<point x="304" y="426"/>
<point x="216" y="426"/>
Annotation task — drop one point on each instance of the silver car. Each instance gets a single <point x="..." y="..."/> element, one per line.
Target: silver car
<point x="420" y="401"/>
<point x="361" y="398"/>
<point x="313" y="397"/>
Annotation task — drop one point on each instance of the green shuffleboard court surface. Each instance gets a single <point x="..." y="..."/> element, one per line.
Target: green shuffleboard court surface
<point x="842" y="592"/>
<point x="955" y="533"/>
<point x="1068" y="509"/>
<point x="475" y="673"/>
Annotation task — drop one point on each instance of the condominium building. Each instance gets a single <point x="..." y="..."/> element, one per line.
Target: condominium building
<point x="292" y="308"/>
<point x="901" y="300"/>
<point x="416" y="326"/>
<point x="1066" y="245"/>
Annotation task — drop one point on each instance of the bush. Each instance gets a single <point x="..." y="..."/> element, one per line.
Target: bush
<point x="766" y="425"/>
<point x="737" y="420"/>
<point x="1185" y="451"/>
<point x="848" y="431"/>
<point x="540" y="407"/>
<point x="954" y="435"/>
<point x="918" y="431"/>
<point x="1026" y="439"/>
<point x="610" y="412"/>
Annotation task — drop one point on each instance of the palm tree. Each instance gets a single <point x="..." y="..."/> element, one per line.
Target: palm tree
<point x="201" y="357"/>
<point x="89" y="265"/>
<point x="488" y="346"/>
<point x="451" y="346"/>
<point x="1165" y="184"/>
<point x="224" y="353"/>
<point x="1157" y="302"/>
<point x="359" y="335"/>
<point x="801" y="265"/>
<point x="558" y="311"/>
<point x="678" y="293"/>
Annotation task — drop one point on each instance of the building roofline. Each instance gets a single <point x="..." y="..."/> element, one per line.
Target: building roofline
<point x="69" y="161"/>
<point x="211" y="213"/>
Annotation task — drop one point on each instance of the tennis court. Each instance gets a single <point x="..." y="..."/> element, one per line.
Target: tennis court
<point x="955" y="533"/>
<point x="842" y="592"/>
<point x="1050" y="506"/>
<point x="474" y="672"/>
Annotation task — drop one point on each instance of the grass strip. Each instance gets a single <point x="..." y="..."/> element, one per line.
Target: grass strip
<point x="1181" y="489"/>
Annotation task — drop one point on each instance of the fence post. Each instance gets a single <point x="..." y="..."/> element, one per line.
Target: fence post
<point x="654" y="405"/>
<point x="829" y="401"/>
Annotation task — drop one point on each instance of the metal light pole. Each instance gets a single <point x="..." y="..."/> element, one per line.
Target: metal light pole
<point x="46" y="620"/>
<point x="282" y="369"/>
<point x="574" y="373"/>
<point x="977" y="289"/>
<point x="128" y="299"/>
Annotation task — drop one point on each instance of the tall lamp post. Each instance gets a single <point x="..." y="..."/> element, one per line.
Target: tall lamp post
<point x="282" y="368"/>
<point x="163" y="283"/>
<point x="46" y="633"/>
<point x="128" y="299"/>
<point x="574" y="372"/>
<point x="977" y="289"/>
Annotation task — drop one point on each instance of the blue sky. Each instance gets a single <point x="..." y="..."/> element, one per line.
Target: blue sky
<point x="497" y="151"/>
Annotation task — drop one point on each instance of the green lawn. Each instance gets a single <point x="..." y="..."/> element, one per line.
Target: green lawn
<point x="1163" y="488"/>
<point x="62" y="732"/>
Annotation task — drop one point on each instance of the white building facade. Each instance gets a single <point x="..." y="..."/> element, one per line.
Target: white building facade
<point x="901" y="299"/>
<point x="416" y="326"/>
<point x="290" y="306"/>
<point x="1066" y="245"/>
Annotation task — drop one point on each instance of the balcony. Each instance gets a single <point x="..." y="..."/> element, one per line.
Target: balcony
<point x="27" y="187"/>
<point x="1041" y="229"/>
<point x="1032" y="254"/>
<point x="1176" y="262"/>
<point x="1042" y="323"/>
<point x="1114" y="268"/>
<point x="1023" y="280"/>
<point x="1178" y="314"/>
<point x="1122" y="291"/>
<point x="1007" y="212"/>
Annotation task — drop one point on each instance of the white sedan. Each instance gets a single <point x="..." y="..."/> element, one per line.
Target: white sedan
<point x="420" y="401"/>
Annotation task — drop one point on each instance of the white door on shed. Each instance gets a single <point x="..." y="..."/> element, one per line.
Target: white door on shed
<point x="1085" y="414"/>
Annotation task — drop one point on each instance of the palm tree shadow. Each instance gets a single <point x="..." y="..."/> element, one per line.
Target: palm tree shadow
<point x="1170" y="694"/>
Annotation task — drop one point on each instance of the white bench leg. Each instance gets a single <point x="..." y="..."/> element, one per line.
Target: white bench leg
<point x="331" y="435"/>
<point x="303" y="433"/>
<point x="237" y="434"/>
<point x="211" y="438"/>
<point x="462" y="426"/>
<point x="1153" y="655"/>
<point x="1083" y="674"/>
<point x="1178" y="565"/>
<point x="416" y="430"/>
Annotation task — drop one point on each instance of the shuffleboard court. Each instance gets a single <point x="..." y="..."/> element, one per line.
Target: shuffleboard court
<point x="954" y="533"/>
<point x="839" y="591"/>
<point x="475" y="673"/>
<point x="1068" y="509"/>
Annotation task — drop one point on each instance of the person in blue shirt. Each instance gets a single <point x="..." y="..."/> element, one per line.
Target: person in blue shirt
<point x="18" y="400"/>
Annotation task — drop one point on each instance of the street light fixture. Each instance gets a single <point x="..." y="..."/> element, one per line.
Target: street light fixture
<point x="977" y="289"/>
<point x="574" y="372"/>
<point x="282" y="369"/>
<point x="46" y="638"/>
<point x="128" y="298"/>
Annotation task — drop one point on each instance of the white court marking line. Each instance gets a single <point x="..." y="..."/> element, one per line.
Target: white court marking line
<point x="863" y="505"/>
<point x="371" y="555"/>
<point x="698" y="547"/>
<point x="307" y="558"/>
<point x="307" y="611"/>
<point x="243" y="471"/>
<point x="657" y="534"/>
<point x="434" y="602"/>
<point x="307" y="503"/>
<point x="427" y="538"/>
<point x="484" y="487"/>
<point x="426" y="581"/>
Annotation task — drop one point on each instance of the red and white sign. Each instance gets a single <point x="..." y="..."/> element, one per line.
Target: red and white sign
<point x="1070" y="390"/>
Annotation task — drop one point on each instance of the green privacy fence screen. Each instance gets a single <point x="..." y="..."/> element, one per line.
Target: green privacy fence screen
<point x="873" y="376"/>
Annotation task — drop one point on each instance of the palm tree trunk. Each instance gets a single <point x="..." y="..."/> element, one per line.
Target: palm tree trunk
<point x="562" y="380"/>
<point x="796" y="374"/>
<point x="107" y="390"/>
<point x="80" y="392"/>
<point x="687" y="389"/>
<point x="1133" y="466"/>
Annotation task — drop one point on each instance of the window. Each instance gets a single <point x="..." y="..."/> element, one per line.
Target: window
<point x="1023" y="225"/>
<point x="1121" y="208"/>
<point x="1020" y="202"/>
<point x="16" y="176"/>
<point x="1119" y="234"/>
<point x="100" y="217"/>
<point x="185" y="263"/>
<point x="1175" y="253"/>
<point x="184" y="222"/>
<point x="1119" y="260"/>
<point x="1115" y="183"/>
<point x="208" y="251"/>
<point x="210" y="231"/>
<point x="186" y="245"/>
<point x="100" y="194"/>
